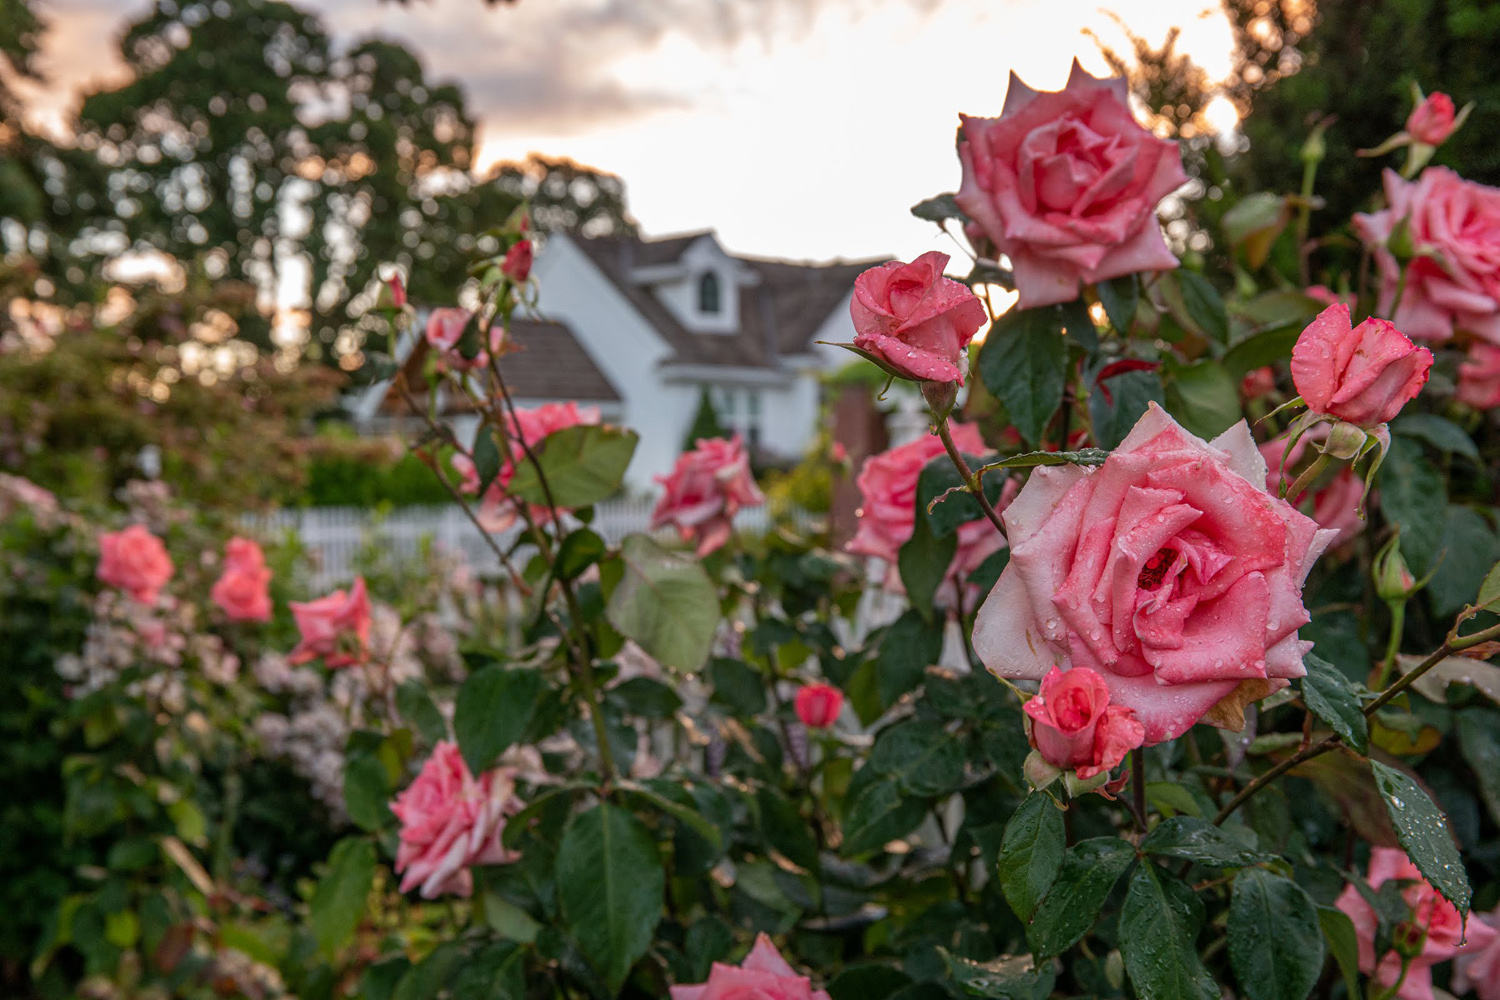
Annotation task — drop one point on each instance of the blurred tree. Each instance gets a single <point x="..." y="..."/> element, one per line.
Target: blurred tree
<point x="705" y="423"/>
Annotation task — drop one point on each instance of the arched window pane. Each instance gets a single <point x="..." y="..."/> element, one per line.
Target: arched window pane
<point x="708" y="293"/>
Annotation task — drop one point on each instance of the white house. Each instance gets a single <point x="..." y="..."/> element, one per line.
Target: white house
<point x="640" y="328"/>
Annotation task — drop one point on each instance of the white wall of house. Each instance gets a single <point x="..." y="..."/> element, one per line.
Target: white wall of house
<point x="680" y="294"/>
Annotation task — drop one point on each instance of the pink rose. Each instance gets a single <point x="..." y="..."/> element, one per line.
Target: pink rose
<point x="707" y="487"/>
<point x="916" y="320"/>
<point x="445" y="328"/>
<point x="17" y="492"/>
<point x="1073" y="725"/>
<point x="1334" y="506"/>
<point x="1258" y="382"/>
<point x="517" y="263"/>
<point x="1478" y="969"/>
<point x="1458" y="220"/>
<point x="1361" y="374"/>
<point x="450" y="821"/>
<point x="818" y="705"/>
<point x="1479" y="376"/>
<point x="763" y="975"/>
<point x="335" y="627"/>
<point x="1169" y="570"/>
<point x="468" y="473"/>
<point x="397" y="289"/>
<point x="888" y="509"/>
<point x="1066" y="185"/>
<point x="1327" y="296"/>
<point x="1432" y="121"/>
<point x="243" y="590"/>
<point x="135" y="561"/>
<point x="498" y="511"/>
<point x="1432" y="918"/>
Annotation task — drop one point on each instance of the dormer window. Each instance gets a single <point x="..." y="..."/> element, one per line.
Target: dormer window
<point x="708" y="293"/>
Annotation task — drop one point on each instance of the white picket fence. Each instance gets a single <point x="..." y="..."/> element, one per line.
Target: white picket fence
<point x="334" y="536"/>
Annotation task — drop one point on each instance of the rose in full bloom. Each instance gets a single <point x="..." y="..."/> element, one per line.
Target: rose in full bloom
<point x="705" y="490"/>
<point x="517" y="263"/>
<point x="498" y="510"/>
<point x="468" y="473"/>
<point x="1363" y="374"/>
<point x="763" y="975"/>
<point x="916" y="320"/>
<point x="243" y="590"/>
<point x="888" y="513"/>
<point x="1459" y="221"/>
<point x="1074" y="727"/>
<point x="335" y="627"/>
<point x="1433" y="931"/>
<point x="1169" y="570"/>
<point x="136" y="561"/>
<point x="1433" y="120"/>
<point x="818" y="705"/>
<point x="1066" y="185"/>
<point x="1478" y="969"/>
<point x="1335" y="506"/>
<point x="1479" y="376"/>
<point x="451" y="821"/>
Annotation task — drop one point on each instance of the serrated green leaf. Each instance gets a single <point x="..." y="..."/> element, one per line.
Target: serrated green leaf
<point x="583" y="465"/>
<point x="1203" y="398"/>
<point x="1159" y="926"/>
<point x="1189" y="838"/>
<point x="609" y="886"/>
<point x="1414" y="496"/>
<point x="418" y="711"/>
<point x="666" y="603"/>
<point x="1024" y="365"/>
<point x="923" y="563"/>
<point x="491" y="712"/>
<point x="1120" y="297"/>
<point x="1275" y="945"/>
<point x="1031" y="852"/>
<point x="1440" y="432"/>
<point x="1088" y="872"/>
<point x="1343" y="944"/>
<point x="1129" y="395"/>
<point x="1015" y="978"/>
<point x="1422" y="830"/>
<point x="1203" y="304"/>
<point x="785" y="829"/>
<point x="921" y="755"/>
<point x="366" y="792"/>
<point x="338" y="902"/>
<point x="880" y="814"/>
<point x="580" y="550"/>
<point x="691" y="818"/>
<point x="1331" y="697"/>
<point x="909" y="646"/>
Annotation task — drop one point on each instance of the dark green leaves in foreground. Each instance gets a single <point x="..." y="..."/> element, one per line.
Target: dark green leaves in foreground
<point x="338" y="902"/>
<point x="1163" y="916"/>
<point x="664" y="602"/>
<point x="1423" y="832"/>
<point x="1088" y="872"/>
<point x="609" y="885"/>
<point x="1024" y="363"/>
<point x="1330" y="696"/>
<point x="1275" y="942"/>
<point x="1189" y="838"/>
<point x="491" y="713"/>
<point x="1031" y="853"/>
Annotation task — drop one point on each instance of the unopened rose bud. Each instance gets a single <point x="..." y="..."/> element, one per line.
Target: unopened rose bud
<point x="1394" y="582"/>
<point x="1432" y="121"/>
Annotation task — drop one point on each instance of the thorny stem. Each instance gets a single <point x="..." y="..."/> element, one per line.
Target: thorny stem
<point x="1455" y="643"/>
<point x="971" y="481"/>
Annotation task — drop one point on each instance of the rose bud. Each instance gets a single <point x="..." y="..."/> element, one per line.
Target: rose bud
<point x="1363" y="374"/>
<point x="517" y="263"/>
<point x="818" y="705"/>
<point x="914" y="319"/>
<point x="1432" y="121"/>
<point x="1073" y="725"/>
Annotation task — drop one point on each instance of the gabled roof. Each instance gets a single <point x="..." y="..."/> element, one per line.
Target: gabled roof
<point x="778" y="315"/>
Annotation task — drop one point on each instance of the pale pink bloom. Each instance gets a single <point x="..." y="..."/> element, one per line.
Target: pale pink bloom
<point x="335" y="627"/>
<point x="1073" y="725"/>
<point x="1363" y="374"/>
<point x="1479" y="376"/>
<point x="1169" y="570"/>
<point x="1334" y="506"/>
<point x="705" y="490"/>
<point x="818" y="705"/>
<point x="468" y="473"/>
<point x="1457" y="220"/>
<point x="1478" y="969"/>
<point x="916" y="320"/>
<point x="135" y="561"/>
<point x="763" y="975"/>
<point x="1066" y="185"/>
<point x="16" y="491"/>
<point x="1432" y="121"/>
<point x="497" y="510"/>
<point x="451" y="821"/>
<point x="1435" y="926"/>
<point x="888" y="509"/>
<point x="243" y="590"/>
<point x="517" y="263"/>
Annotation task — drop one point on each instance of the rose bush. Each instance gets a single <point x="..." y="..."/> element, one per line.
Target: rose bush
<point x="699" y="763"/>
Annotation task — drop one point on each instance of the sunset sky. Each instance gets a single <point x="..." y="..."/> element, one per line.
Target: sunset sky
<point x="796" y="128"/>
